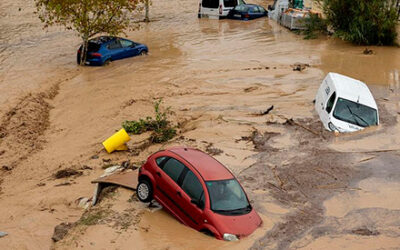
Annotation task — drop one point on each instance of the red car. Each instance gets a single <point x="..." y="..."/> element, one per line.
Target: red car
<point x="199" y="191"/>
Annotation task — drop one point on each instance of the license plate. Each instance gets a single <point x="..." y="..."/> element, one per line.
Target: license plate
<point x="236" y="15"/>
<point x="87" y="63"/>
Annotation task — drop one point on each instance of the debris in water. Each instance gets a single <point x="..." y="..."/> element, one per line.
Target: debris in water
<point x="213" y="151"/>
<point x="250" y="89"/>
<point x="84" y="202"/>
<point x="2" y="234"/>
<point x="63" y="184"/>
<point x="94" y="157"/>
<point x="64" y="173"/>
<point x="266" y="112"/>
<point x="365" y="232"/>
<point x="2" y="152"/>
<point x="86" y="167"/>
<point x="60" y="231"/>
<point x="300" y="66"/>
<point x="368" y="51"/>
<point x="154" y="206"/>
<point x="127" y="179"/>
<point x="6" y="168"/>
<point x="111" y="170"/>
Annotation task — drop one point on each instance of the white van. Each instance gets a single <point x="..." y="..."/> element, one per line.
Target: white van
<point x="345" y="104"/>
<point x="216" y="9"/>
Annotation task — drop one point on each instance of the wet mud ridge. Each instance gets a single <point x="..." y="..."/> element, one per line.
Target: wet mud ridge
<point x="301" y="177"/>
<point x="22" y="127"/>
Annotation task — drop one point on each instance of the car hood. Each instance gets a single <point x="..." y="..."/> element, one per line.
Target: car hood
<point x="239" y="225"/>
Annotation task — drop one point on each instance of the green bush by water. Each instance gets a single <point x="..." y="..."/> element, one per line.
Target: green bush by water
<point x="160" y="126"/>
<point x="366" y="22"/>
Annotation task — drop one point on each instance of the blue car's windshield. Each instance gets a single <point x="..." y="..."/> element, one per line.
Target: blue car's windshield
<point x="355" y="113"/>
<point x="227" y="197"/>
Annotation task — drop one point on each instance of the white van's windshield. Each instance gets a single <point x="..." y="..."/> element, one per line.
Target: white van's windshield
<point x="355" y="113"/>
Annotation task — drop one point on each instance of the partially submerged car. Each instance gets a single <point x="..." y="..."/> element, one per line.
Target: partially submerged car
<point x="345" y="104"/>
<point x="217" y="9"/>
<point x="247" y="12"/>
<point x="199" y="191"/>
<point x="104" y="49"/>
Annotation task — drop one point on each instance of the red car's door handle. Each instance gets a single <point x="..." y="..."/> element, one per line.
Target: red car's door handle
<point x="178" y="193"/>
<point x="159" y="174"/>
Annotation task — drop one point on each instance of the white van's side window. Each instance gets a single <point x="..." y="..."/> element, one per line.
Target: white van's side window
<point x="210" y="4"/>
<point x="330" y="103"/>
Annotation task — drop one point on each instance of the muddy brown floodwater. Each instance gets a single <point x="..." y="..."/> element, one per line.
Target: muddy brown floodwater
<point x="313" y="190"/>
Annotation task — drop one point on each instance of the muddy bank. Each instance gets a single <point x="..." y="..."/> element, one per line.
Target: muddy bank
<point x="22" y="127"/>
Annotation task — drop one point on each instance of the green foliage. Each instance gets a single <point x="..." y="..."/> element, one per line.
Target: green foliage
<point x="88" y="17"/>
<point x="92" y="218"/>
<point x="314" y="25"/>
<point x="369" y="22"/>
<point x="161" y="128"/>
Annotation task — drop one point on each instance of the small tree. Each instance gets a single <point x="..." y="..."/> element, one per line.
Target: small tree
<point x="88" y="17"/>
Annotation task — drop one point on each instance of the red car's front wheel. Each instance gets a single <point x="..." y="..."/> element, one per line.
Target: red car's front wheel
<point x="144" y="191"/>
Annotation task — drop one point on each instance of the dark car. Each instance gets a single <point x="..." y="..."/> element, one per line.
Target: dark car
<point x="199" y="191"/>
<point x="104" y="49"/>
<point x="247" y="12"/>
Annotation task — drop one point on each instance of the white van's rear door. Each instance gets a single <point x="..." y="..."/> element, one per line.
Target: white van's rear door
<point x="210" y="8"/>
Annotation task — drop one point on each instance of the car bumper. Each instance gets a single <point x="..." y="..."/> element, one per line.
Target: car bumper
<point x="94" y="62"/>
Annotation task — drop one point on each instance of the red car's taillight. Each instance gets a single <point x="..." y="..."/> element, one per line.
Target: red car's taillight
<point x="220" y="9"/>
<point x="96" y="55"/>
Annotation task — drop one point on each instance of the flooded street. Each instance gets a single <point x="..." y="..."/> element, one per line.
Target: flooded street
<point x="312" y="190"/>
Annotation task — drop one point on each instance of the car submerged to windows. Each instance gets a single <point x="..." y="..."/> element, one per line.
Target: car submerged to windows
<point x="247" y="12"/>
<point x="104" y="49"/>
<point x="217" y="9"/>
<point x="199" y="191"/>
<point x="345" y="104"/>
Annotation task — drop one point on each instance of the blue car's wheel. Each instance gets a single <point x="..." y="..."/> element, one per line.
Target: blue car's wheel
<point x="143" y="53"/>
<point x="107" y="62"/>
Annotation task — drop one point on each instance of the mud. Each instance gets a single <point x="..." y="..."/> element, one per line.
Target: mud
<point x="65" y="173"/>
<point x="313" y="189"/>
<point x="60" y="231"/>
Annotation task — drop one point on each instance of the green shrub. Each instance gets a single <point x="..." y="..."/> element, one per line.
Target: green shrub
<point x="367" y="22"/>
<point x="161" y="128"/>
<point x="314" y="25"/>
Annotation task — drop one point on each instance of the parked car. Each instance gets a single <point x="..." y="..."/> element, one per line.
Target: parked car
<point x="217" y="9"/>
<point x="199" y="191"/>
<point x="345" y="104"/>
<point x="247" y="12"/>
<point x="104" y="49"/>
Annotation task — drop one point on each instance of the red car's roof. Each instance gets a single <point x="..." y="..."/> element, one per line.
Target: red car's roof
<point x="209" y="168"/>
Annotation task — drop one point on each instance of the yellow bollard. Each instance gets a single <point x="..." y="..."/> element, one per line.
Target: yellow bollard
<point x="117" y="141"/>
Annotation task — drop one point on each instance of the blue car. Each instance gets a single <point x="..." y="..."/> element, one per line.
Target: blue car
<point x="247" y="12"/>
<point x="104" y="49"/>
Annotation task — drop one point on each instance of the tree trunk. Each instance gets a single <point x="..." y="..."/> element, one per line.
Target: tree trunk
<point x="84" y="50"/>
<point x="147" y="7"/>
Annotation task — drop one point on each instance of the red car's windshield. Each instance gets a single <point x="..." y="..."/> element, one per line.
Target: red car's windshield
<point x="227" y="197"/>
